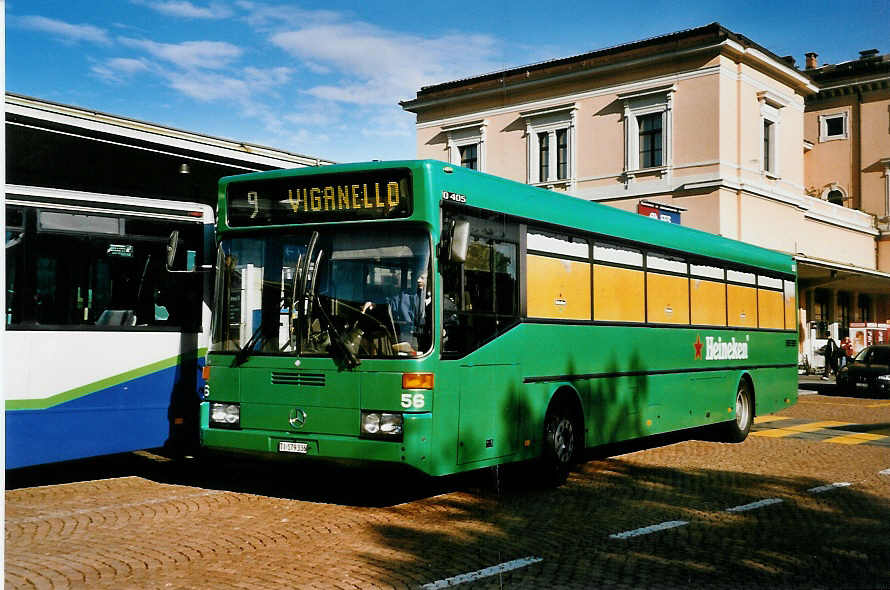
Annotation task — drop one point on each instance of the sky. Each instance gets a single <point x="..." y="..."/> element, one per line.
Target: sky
<point x="325" y="79"/>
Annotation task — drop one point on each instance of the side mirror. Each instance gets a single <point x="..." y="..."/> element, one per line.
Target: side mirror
<point x="180" y="259"/>
<point x="172" y="246"/>
<point x="460" y="241"/>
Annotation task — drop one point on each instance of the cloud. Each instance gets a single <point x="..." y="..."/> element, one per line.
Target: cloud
<point x="214" y="86"/>
<point x="208" y="86"/>
<point x="184" y="9"/>
<point x="118" y="69"/>
<point x="189" y="54"/>
<point x="391" y="122"/>
<point x="266" y="17"/>
<point x="268" y="78"/>
<point x="315" y="114"/>
<point x="379" y="66"/>
<point x="63" y="31"/>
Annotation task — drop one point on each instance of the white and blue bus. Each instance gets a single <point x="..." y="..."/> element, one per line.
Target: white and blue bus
<point x="104" y="347"/>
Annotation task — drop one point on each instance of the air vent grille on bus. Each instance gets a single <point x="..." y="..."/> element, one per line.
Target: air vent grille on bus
<point x="305" y="379"/>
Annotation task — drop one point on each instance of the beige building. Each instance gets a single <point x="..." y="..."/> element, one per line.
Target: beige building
<point x="847" y="163"/>
<point x="703" y="120"/>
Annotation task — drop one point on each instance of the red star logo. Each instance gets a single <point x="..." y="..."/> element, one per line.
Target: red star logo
<point x="697" y="346"/>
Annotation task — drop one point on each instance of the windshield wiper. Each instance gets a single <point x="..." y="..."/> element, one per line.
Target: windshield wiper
<point x="302" y="269"/>
<point x="340" y="345"/>
<point x="300" y="284"/>
<point x="244" y="352"/>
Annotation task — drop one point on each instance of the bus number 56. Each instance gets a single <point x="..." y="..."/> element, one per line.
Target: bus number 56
<point x="415" y="401"/>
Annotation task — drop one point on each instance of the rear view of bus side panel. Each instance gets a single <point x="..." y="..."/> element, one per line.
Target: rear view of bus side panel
<point x="103" y="344"/>
<point x="94" y="408"/>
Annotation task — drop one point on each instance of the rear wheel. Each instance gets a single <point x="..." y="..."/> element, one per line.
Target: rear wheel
<point x="737" y="430"/>
<point x="561" y="443"/>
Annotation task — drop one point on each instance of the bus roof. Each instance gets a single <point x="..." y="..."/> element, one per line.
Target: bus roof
<point x="489" y="192"/>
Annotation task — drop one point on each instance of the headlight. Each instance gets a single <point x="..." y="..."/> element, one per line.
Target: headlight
<point x="225" y="415"/>
<point x="884" y="378"/>
<point x="382" y="425"/>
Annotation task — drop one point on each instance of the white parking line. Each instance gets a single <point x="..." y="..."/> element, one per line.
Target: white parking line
<point x="671" y="524"/>
<point x="755" y="505"/>
<point x="484" y="573"/>
<point x="885" y="472"/>
<point x="831" y="486"/>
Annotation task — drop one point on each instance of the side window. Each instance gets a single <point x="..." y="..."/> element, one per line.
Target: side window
<point x="880" y="356"/>
<point x="480" y="296"/>
<point x="770" y="302"/>
<point x="741" y="299"/>
<point x="618" y="284"/>
<point x="790" y="306"/>
<point x="92" y="270"/>
<point x="15" y="236"/>
<point x="707" y="295"/>
<point x="558" y="276"/>
<point x="667" y="289"/>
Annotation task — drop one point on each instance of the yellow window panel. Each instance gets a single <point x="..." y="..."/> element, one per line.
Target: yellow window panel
<point x="618" y="294"/>
<point x="771" y="312"/>
<point x="708" y="303"/>
<point x="667" y="299"/>
<point x="790" y="311"/>
<point x="742" y="306"/>
<point x="558" y="288"/>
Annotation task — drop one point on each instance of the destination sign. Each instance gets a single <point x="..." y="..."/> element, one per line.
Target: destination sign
<point x="377" y="194"/>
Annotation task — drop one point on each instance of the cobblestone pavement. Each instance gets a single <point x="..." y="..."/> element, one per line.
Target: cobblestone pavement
<point x="785" y="509"/>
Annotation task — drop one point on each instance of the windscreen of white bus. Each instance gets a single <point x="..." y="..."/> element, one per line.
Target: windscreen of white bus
<point x="363" y="289"/>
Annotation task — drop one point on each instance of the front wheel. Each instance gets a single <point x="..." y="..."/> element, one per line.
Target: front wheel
<point x="737" y="430"/>
<point x="561" y="448"/>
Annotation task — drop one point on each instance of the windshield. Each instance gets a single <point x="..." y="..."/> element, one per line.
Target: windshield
<point x="347" y="294"/>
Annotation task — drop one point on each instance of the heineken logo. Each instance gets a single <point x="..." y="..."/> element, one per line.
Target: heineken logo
<point x="718" y="349"/>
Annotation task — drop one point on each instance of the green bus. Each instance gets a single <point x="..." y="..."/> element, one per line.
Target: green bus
<point x="424" y="314"/>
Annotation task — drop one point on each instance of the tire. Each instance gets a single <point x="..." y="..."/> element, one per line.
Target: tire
<point x="737" y="430"/>
<point x="561" y="444"/>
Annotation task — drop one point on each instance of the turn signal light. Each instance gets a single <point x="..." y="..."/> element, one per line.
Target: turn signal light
<point x="205" y="373"/>
<point x="417" y="380"/>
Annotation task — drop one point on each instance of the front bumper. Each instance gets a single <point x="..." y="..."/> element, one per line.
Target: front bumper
<point x="414" y="450"/>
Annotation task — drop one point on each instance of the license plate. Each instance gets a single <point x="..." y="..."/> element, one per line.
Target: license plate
<point x="286" y="446"/>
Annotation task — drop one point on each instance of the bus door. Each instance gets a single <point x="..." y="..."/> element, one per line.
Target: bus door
<point x="479" y="305"/>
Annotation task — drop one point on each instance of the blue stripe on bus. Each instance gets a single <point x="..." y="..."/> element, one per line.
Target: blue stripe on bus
<point x="129" y="416"/>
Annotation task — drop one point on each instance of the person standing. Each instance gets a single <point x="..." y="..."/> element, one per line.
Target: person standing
<point x="831" y="358"/>
<point x="846" y="352"/>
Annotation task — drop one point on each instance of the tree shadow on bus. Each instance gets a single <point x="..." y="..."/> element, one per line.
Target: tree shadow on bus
<point x="837" y="539"/>
<point x="613" y="409"/>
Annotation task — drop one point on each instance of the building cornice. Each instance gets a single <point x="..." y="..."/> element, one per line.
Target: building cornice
<point x="764" y="59"/>
<point x="710" y="39"/>
<point x="852" y="87"/>
<point x="555" y="102"/>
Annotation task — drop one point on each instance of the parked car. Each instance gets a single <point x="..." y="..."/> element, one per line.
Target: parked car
<point x="870" y="369"/>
